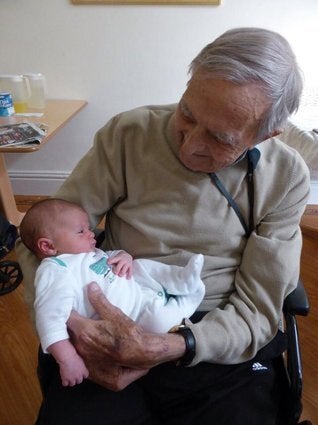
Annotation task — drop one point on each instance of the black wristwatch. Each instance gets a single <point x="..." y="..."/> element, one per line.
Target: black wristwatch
<point x="190" y="343"/>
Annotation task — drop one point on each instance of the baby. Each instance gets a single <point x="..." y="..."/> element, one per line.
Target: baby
<point x="156" y="295"/>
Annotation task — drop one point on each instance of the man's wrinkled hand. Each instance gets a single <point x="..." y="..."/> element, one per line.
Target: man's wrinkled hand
<point x="114" y="339"/>
<point x="116" y="350"/>
<point x="104" y="344"/>
<point x="113" y="377"/>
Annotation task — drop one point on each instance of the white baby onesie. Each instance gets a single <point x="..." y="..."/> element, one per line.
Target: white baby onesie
<point x="157" y="296"/>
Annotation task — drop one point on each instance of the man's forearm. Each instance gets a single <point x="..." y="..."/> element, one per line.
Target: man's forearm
<point x="118" y="340"/>
<point x="115" y="349"/>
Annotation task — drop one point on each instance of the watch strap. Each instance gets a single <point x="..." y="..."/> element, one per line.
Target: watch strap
<point x="190" y="343"/>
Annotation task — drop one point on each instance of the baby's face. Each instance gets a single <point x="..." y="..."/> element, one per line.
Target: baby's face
<point x="74" y="235"/>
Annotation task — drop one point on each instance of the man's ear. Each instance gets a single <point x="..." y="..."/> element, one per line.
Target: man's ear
<point x="46" y="247"/>
<point x="276" y="133"/>
<point x="273" y="134"/>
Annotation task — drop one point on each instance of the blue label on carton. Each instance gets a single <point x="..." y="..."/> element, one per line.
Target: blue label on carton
<point x="6" y="105"/>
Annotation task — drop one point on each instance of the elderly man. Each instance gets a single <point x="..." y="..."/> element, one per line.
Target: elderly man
<point x="204" y="176"/>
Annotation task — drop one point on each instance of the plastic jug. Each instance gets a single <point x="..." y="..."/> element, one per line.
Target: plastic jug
<point x="37" y="84"/>
<point x="19" y="87"/>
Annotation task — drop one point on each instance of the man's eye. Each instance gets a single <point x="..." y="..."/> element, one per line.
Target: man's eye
<point x="222" y="140"/>
<point x="217" y="139"/>
<point x="186" y="116"/>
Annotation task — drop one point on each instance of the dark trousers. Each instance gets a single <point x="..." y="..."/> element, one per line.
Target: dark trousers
<point x="248" y="393"/>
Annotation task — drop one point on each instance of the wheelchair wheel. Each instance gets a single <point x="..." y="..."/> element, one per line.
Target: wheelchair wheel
<point x="10" y="276"/>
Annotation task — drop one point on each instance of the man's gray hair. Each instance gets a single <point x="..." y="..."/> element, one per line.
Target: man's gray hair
<point x="244" y="55"/>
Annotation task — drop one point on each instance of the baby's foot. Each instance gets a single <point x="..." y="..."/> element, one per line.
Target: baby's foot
<point x="192" y="271"/>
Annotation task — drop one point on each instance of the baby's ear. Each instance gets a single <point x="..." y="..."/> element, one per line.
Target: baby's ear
<point x="46" y="247"/>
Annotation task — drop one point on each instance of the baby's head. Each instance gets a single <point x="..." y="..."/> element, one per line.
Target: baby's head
<point x="54" y="226"/>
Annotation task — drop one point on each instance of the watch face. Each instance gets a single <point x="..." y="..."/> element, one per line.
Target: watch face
<point x="176" y="329"/>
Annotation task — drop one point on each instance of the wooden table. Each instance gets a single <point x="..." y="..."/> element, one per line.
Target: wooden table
<point x="309" y="221"/>
<point x="56" y="114"/>
<point x="308" y="326"/>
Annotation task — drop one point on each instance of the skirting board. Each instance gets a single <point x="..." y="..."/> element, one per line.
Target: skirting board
<point x="36" y="182"/>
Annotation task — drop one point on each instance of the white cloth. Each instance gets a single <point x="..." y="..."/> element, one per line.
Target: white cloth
<point x="305" y="142"/>
<point x="158" y="296"/>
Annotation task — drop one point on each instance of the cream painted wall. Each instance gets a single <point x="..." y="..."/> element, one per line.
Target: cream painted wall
<point x="119" y="57"/>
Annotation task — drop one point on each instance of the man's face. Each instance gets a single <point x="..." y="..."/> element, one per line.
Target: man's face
<point x="216" y="121"/>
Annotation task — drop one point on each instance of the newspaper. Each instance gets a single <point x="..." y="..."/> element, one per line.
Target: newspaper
<point x="21" y="134"/>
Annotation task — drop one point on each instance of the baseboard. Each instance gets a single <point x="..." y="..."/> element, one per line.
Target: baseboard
<point x="25" y="201"/>
<point x="36" y="182"/>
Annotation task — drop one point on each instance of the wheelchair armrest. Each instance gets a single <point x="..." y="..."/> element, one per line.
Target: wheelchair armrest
<point x="296" y="303"/>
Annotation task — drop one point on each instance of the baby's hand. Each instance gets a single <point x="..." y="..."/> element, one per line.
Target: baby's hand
<point x="122" y="264"/>
<point x="73" y="371"/>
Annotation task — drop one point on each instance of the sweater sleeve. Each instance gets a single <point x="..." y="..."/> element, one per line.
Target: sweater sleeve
<point x="97" y="182"/>
<point x="268" y="272"/>
<point x="29" y="263"/>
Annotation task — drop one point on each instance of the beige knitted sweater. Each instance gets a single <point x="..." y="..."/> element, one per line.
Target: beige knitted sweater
<point x="156" y="208"/>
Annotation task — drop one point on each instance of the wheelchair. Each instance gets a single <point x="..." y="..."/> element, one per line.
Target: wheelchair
<point x="10" y="272"/>
<point x="295" y="304"/>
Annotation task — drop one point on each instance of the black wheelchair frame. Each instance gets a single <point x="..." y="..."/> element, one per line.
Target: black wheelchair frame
<point x="296" y="304"/>
<point x="10" y="272"/>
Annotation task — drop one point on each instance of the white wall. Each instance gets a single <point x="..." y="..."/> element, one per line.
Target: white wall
<point x="118" y="57"/>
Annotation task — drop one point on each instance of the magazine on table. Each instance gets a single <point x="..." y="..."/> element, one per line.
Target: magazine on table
<point x="21" y="134"/>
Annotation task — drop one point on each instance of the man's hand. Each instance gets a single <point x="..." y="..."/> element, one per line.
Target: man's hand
<point x="114" y="378"/>
<point x="115" y="349"/>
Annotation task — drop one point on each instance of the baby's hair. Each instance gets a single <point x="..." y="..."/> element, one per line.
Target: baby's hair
<point x="40" y="220"/>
